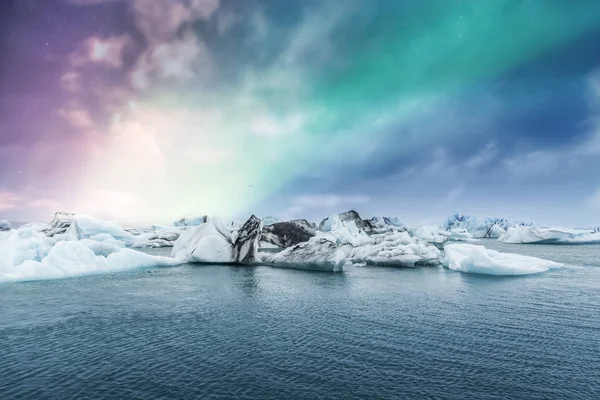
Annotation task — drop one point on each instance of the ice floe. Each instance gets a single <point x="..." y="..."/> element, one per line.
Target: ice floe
<point x="537" y="235"/>
<point x="477" y="259"/>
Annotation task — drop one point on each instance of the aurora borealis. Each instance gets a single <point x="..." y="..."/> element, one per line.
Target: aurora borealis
<point x="146" y="110"/>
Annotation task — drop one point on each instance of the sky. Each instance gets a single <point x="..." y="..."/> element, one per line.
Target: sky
<point x="148" y="110"/>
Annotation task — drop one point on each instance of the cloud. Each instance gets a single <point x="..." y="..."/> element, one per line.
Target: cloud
<point x="593" y="201"/>
<point x="77" y="116"/>
<point x="9" y="201"/>
<point x="532" y="164"/>
<point x="325" y="201"/>
<point x="482" y="158"/>
<point x="108" y="51"/>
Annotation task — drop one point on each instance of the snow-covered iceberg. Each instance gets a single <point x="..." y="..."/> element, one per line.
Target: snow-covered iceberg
<point x="318" y="253"/>
<point x="537" y="235"/>
<point x="214" y="242"/>
<point x="5" y="225"/>
<point x="477" y="259"/>
<point x="397" y="249"/>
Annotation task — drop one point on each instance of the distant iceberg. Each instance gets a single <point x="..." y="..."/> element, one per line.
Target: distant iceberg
<point x="189" y="221"/>
<point x="5" y="225"/>
<point x="490" y="227"/>
<point x="537" y="235"/>
<point x="394" y="249"/>
<point x="432" y="234"/>
<point x="477" y="259"/>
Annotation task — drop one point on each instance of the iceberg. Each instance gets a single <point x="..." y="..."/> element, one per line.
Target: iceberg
<point x="477" y="259"/>
<point x="59" y="224"/>
<point x="270" y="220"/>
<point x="214" y="242"/>
<point x="318" y="253"/>
<point x="160" y="237"/>
<point x="347" y="217"/>
<point x="245" y="246"/>
<point x="75" y="258"/>
<point x="342" y="232"/>
<point x="5" y="225"/>
<point x="459" y="234"/>
<point x="432" y="234"/>
<point x="385" y="224"/>
<point x="397" y="249"/>
<point x="286" y="234"/>
<point x="189" y="221"/>
<point x="537" y="235"/>
<point x="87" y="227"/>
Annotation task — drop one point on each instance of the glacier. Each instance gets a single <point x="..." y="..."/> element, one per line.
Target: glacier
<point x="477" y="259"/>
<point x="538" y="235"/>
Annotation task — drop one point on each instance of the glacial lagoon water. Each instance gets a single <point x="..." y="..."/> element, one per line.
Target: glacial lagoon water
<point x="200" y="332"/>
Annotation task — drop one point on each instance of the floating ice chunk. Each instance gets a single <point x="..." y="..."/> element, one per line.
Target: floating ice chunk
<point x="204" y="244"/>
<point x="5" y="225"/>
<point x="395" y="249"/>
<point x="459" y="234"/>
<point x="318" y="253"/>
<point x="87" y="227"/>
<point x="20" y="245"/>
<point x="537" y="235"/>
<point x="477" y="259"/>
<point x="74" y="258"/>
<point x="213" y="242"/>
<point x="432" y="234"/>
<point x="245" y="245"/>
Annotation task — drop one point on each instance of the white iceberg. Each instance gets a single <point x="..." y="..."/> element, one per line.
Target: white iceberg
<point x="342" y="232"/>
<point x="432" y="234"/>
<point x="537" y="235"/>
<point x="477" y="259"/>
<point x="87" y="227"/>
<point x="160" y="237"/>
<point x="189" y="221"/>
<point x="214" y="242"/>
<point x="59" y="224"/>
<point x="386" y="224"/>
<point x="394" y="249"/>
<point x="75" y="258"/>
<point x="5" y="225"/>
<point x="318" y="253"/>
<point x="460" y="234"/>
